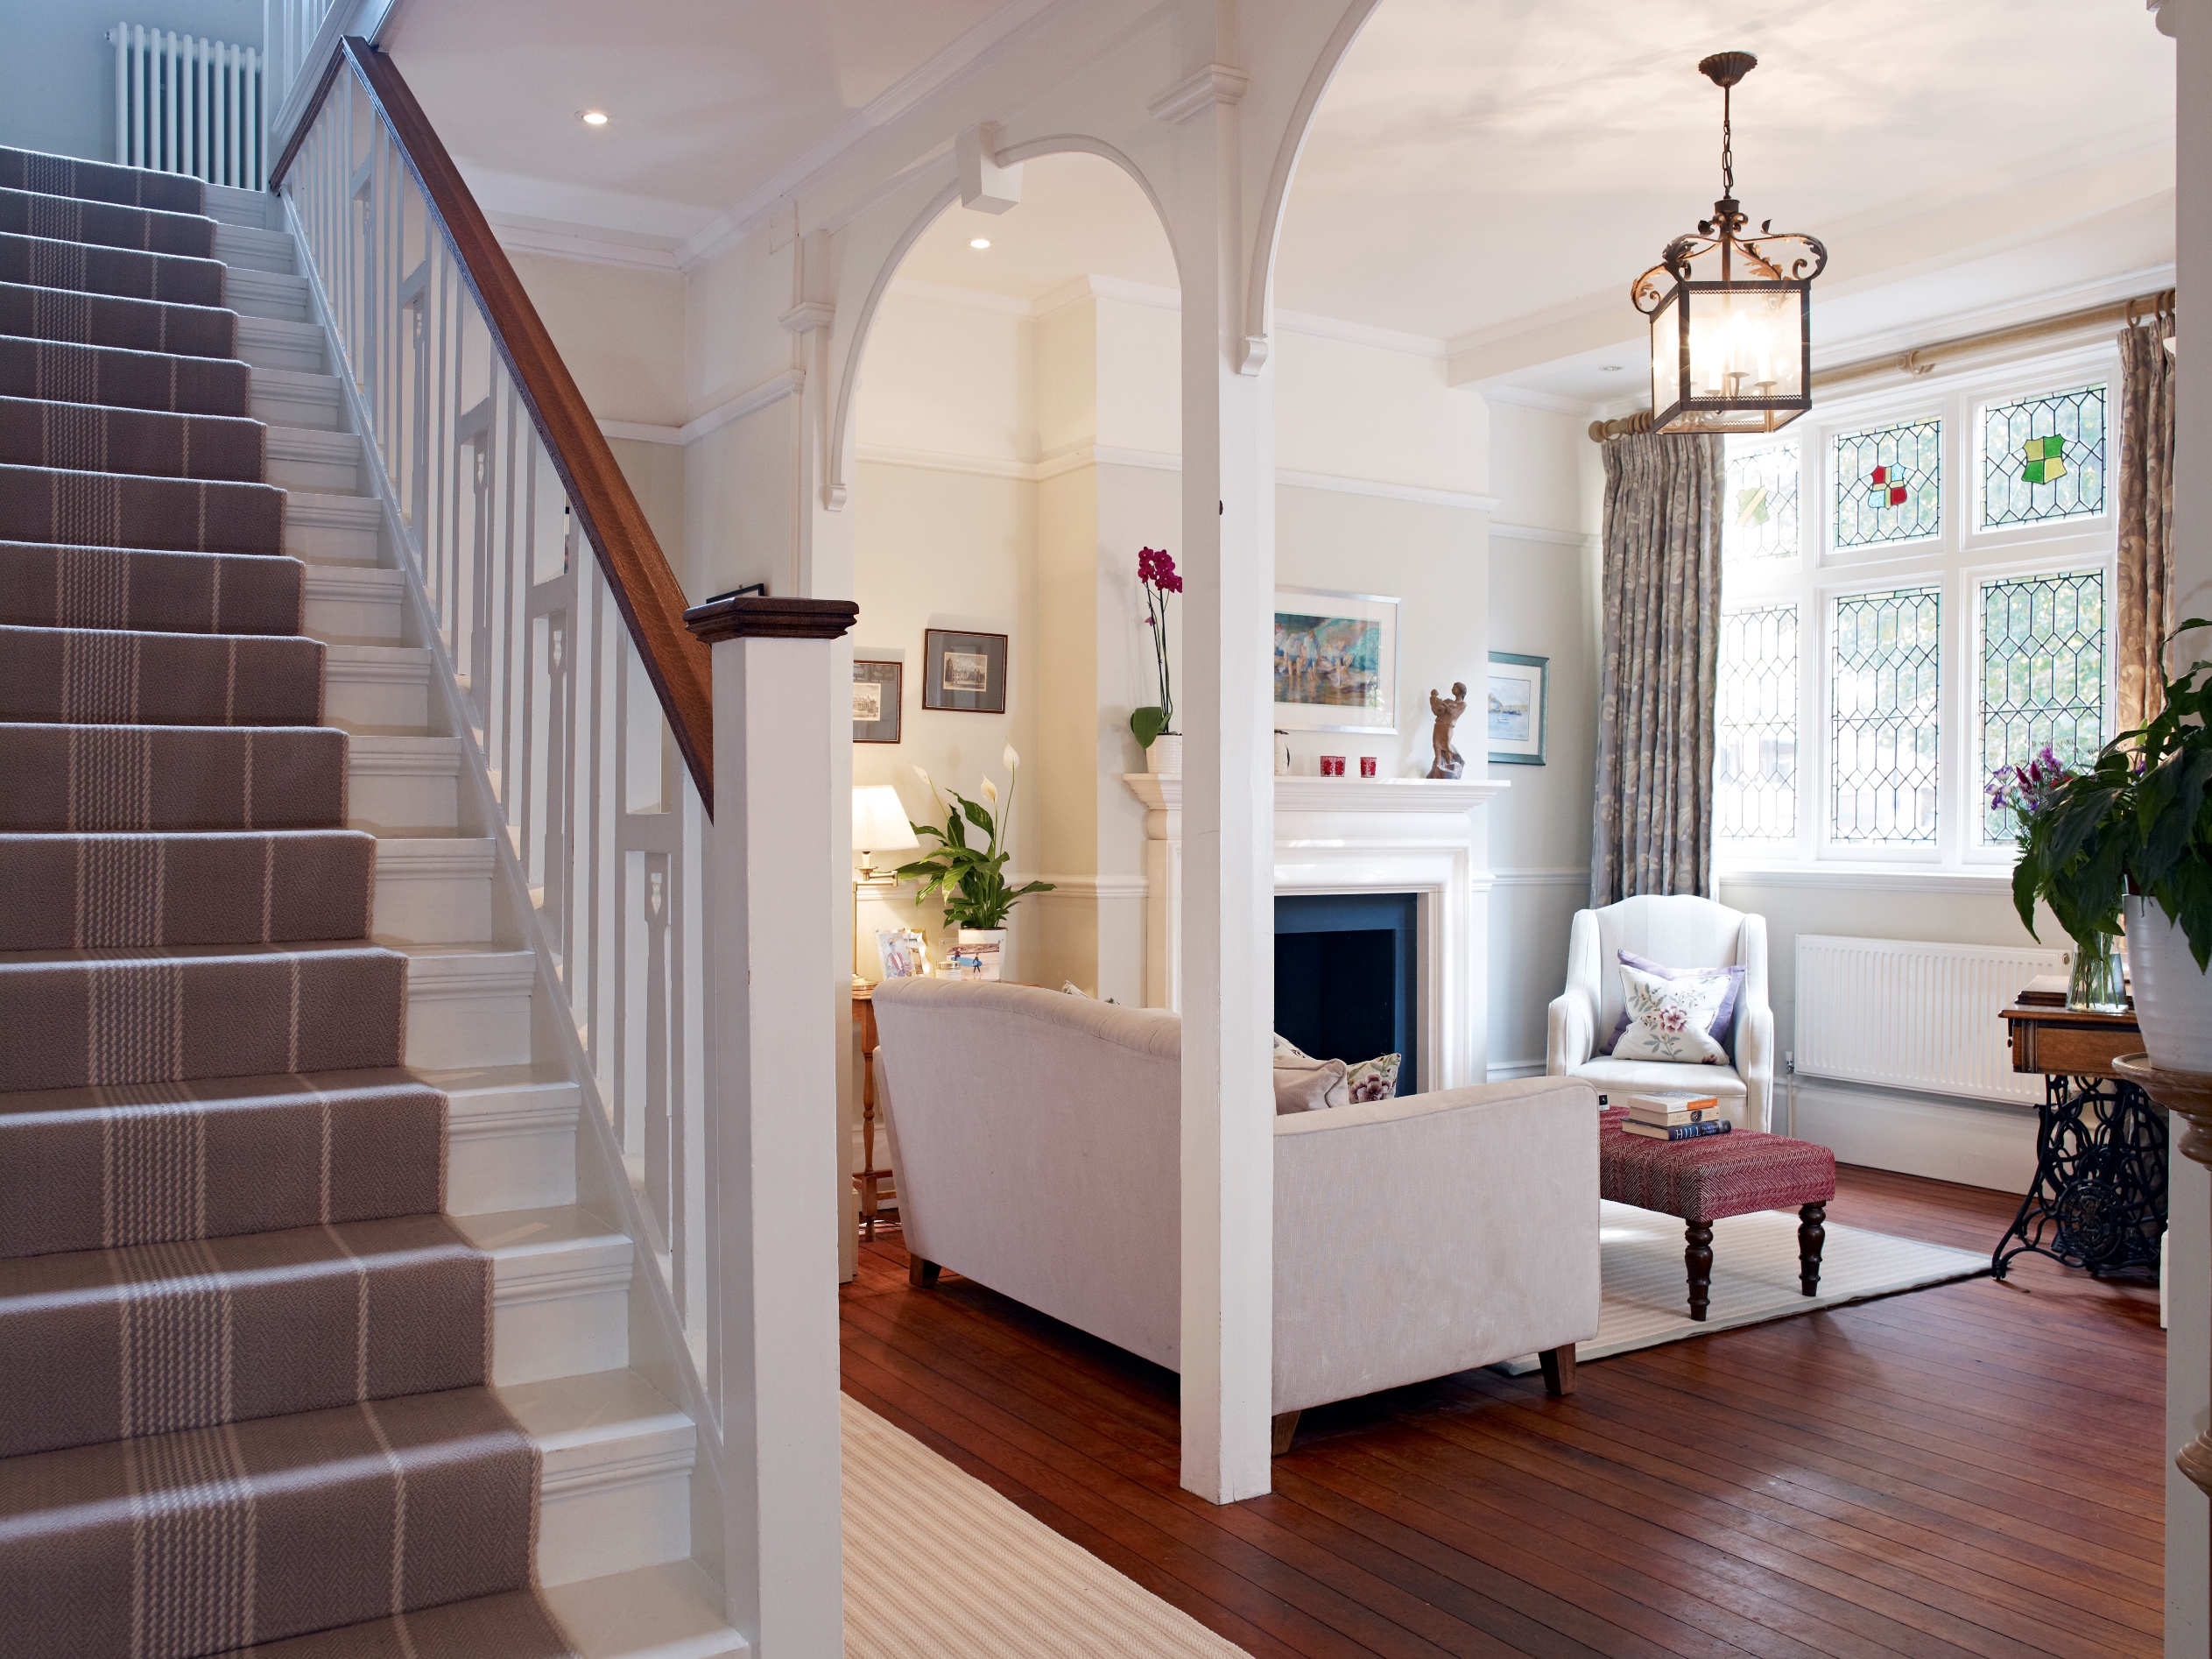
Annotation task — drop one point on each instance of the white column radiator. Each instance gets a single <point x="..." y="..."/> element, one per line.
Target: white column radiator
<point x="1909" y="1015"/>
<point x="190" y="105"/>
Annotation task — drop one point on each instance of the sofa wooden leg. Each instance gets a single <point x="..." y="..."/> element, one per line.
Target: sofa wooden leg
<point x="920" y="1274"/>
<point x="1698" y="1257"/>
<point x="1559" y="1370"/>
<point x="1286" y="1426"/>
<point x="1811" y="1235"/>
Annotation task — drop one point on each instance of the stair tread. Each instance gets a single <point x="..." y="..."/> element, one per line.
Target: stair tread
<point x="571" y="1420"/>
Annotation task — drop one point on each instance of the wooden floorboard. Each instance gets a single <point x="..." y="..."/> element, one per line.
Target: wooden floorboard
<point x="1975" y="1469"/>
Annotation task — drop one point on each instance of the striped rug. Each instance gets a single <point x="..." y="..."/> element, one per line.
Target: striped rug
<point x="937" y="1564"/>
<point x="1754" y="1276"/>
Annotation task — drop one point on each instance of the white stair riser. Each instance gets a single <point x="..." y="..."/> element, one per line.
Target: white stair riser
<point x="377" y="696"/>
<point x="355" y="611"/>
<point x="588" y="1532"/>
<point x="451" y="1026"/>
<point x="227" y="204"/>
<point x="293" y="404"/>
<point x="543" y="1336"/>
<point x="527" y="1170"/>
<point x="262" y="294"/>
<point x="320" y="537"/>
<point x="403" y="803"/>
<point x="326" y="477"/>
<point x="243" y="248"/>
<point x="448" y="906"/>
<point x="269" y="342"/>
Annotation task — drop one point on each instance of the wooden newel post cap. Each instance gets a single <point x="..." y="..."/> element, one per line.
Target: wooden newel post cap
<point x="751" y="616"/>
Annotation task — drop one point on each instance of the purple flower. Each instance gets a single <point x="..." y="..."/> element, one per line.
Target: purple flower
<point x="1156" y="570"/>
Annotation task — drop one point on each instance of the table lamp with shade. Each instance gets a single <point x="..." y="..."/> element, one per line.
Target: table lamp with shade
<point x="879" y="825"/>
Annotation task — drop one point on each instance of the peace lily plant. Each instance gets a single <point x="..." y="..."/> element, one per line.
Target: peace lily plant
<point x="972" y="878"/>
<point x="2133" y="833"/>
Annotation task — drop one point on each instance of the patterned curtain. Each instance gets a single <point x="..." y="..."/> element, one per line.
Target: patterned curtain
<point x="2146" y="517"/>
<point x="1654" y="826"/>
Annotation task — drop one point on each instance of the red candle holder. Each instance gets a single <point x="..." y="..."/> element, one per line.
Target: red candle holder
<point x="1367" y="765"/>
<point x="1332" y="766"/>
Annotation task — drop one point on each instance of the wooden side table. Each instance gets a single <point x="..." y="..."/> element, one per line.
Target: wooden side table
<point x="2098" y="1199"/>
<point x="873" y="1184"/>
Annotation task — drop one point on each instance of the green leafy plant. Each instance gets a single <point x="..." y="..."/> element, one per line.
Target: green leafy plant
<point x="972" y="878"/>
<point x="1156" y="575"/>
<point x="2139" y="821"/>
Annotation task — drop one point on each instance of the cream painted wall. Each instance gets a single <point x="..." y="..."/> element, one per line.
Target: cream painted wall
<point x="949" y="380"/>
<point x="1350" y="410"/>
<point x="620" y="330"/>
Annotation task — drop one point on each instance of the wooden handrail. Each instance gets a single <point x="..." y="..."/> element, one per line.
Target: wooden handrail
<point x="645" y="590"/>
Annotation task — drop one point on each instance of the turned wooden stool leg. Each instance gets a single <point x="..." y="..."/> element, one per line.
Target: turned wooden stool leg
<point x="1699" y="1259"/>
<point x="1811" y="1235"/>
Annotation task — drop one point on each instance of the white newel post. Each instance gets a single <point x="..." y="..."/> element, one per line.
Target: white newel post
<point x="771" y="1115"/>
<point x="1227" y="992"/>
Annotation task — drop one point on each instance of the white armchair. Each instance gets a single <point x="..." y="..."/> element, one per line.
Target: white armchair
<point x="1682" y="932"/>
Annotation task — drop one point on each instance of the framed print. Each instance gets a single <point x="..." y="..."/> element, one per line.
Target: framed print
<point x="878" y="698"/>
<point x="903" y="952"/>
<point x="965" y="670"/>
<point x="1513" y="711"/>
<point x="1335" y="661"/>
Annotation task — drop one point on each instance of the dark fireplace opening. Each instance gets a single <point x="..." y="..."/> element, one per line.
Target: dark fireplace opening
<point x="1347" y="966"/>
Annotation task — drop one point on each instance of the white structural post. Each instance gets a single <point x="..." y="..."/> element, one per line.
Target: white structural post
<point x="1227" y="990"/>
<point x="2188" y="1364"/>
<point x="772" y="1104"/>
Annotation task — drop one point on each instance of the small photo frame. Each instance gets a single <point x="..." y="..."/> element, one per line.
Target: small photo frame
<point x="1514" y="707"/>
<point x="964" y="670"/>
<point x="879" y="699"/>
<point x="1335" y="661"/>
<point x="903" y="953"/>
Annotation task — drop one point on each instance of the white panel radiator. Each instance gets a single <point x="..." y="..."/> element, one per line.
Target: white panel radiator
<point x="186" y="104"/>
<point x="1908" y="1015"/>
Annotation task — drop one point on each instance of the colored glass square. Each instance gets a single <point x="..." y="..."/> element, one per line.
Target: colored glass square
<point x="1881" y="475"/>
<point x="1897" y="495"/>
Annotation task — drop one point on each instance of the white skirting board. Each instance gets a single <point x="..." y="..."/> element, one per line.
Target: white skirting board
<point x="1915" y="1134"/>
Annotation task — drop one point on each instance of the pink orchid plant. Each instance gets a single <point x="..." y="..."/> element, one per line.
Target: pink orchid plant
<point x="1156" y="575"/>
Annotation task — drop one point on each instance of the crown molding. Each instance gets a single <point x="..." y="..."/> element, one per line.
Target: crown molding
<point x="1361" y="334"/>
<point x="584" y="245"/>
<point x="1527" y="397"/>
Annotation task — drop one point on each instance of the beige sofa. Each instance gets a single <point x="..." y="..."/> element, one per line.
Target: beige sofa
<point x="1038" y="1138"/>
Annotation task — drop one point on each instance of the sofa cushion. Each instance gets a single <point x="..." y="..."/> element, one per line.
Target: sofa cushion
<point x="1307" y="1085"/>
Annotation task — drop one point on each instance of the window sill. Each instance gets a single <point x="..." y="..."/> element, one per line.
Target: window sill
<point x="1994" y="883"/>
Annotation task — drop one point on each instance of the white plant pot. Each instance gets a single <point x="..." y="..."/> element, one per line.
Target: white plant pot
<point x="986" y="947"/>
<point x="2173" y="995"/>
<point x="1164" y="758"/>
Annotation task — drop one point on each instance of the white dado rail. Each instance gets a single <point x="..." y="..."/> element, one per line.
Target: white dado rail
<point x="1355" y="835"/>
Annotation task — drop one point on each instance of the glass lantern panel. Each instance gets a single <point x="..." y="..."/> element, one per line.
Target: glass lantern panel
<point x="1666" y="353"/>
<point x="1746" y="343"/>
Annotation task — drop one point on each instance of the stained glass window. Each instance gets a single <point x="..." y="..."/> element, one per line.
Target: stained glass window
<point x="2043" y="458"/>
<point x="1884" y="736"/>
<point x="1755" y="752"/>
<point x="1889" y="483"/>
<point x="1761" y="508"/>
<point x="2042" y="676"/>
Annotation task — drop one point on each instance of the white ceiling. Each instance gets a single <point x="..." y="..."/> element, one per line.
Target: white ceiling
<point x="1489" y="174"/>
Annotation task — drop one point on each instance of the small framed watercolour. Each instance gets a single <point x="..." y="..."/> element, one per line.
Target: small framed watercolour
<point x="964" y="670"/>
<point x="1335" y="661"/>
<point x="878" y="697"/>
<point x="1513" y="711"/>
<point x="903" y="953"/>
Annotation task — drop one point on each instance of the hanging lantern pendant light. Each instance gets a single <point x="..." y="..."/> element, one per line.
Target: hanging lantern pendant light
<point x="1731" y="315"/>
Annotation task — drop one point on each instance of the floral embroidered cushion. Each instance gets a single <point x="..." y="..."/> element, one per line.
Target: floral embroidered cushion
<point x="1672" y="1018"/>
<point x="1376" y="1079"/>
<point x="1722" y="1030"/>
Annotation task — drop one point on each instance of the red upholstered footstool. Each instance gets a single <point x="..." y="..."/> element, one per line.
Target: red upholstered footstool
<point x="1717" y="1175"/>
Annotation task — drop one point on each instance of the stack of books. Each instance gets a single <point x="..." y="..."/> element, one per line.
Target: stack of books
<point x="1673" y="1116"/>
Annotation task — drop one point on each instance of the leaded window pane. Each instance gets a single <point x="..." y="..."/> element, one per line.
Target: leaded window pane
<point x="1755" y="752"/>
<point x="2043" y="458"/>
<point x="2042" y="677"/>
<point x="1761" y="520"/>
<point x="1889" y="483"/>
<point x="1883" y="737"/>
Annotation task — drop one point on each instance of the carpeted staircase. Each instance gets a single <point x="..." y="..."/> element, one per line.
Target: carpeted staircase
<point x="245" y="1360"/>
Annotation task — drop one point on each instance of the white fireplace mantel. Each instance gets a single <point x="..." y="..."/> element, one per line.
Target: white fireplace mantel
<point x="1357" y="834"/>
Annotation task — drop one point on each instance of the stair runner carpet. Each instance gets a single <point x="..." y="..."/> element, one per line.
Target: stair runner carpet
<point x="243" y="1358"/>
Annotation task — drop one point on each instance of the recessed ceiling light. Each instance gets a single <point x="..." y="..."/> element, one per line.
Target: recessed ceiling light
<point x="1609" y="368"/>
<point x="595" y="117"/>
<point x="979" y="241"/>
